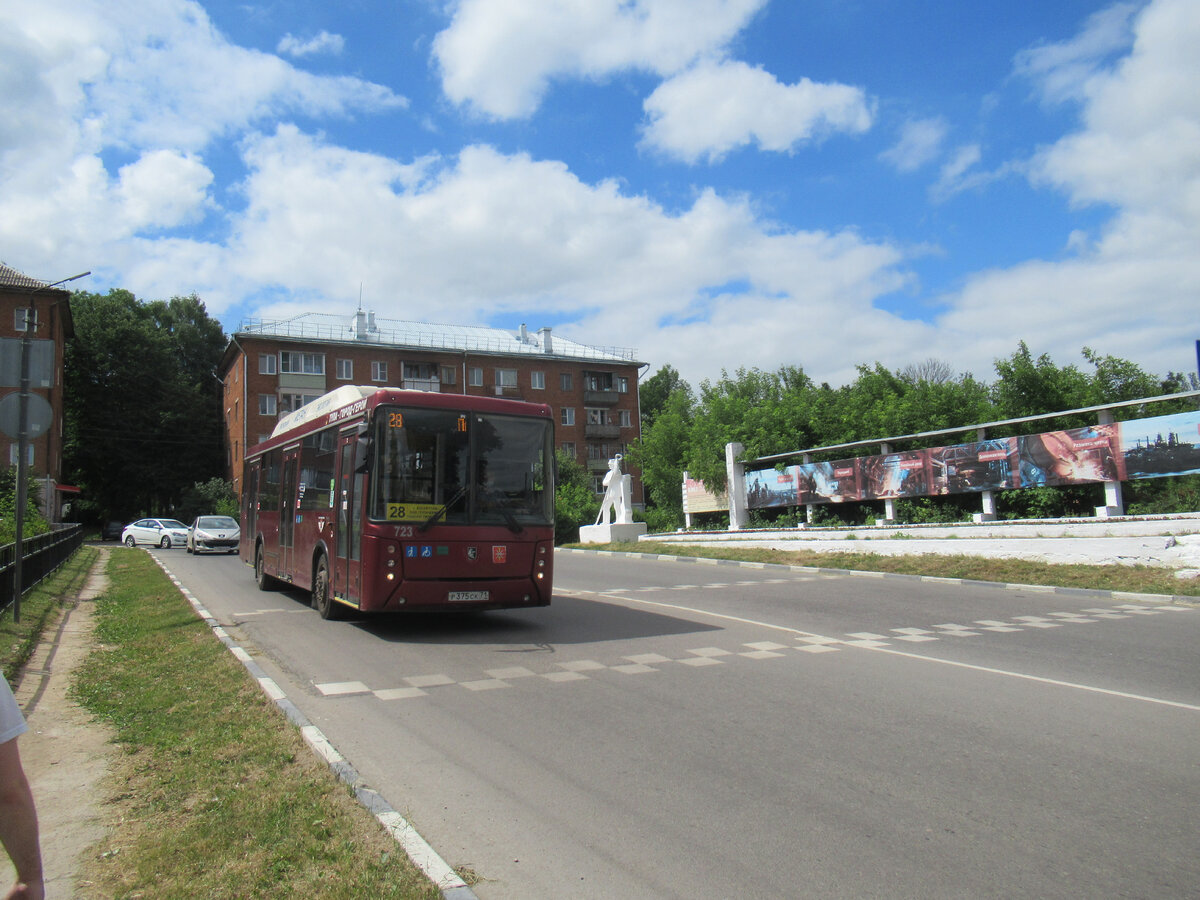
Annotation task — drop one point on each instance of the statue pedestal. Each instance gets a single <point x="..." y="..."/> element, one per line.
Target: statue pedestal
<point x="617" y="532"/>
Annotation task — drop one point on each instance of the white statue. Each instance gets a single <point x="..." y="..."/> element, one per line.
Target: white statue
<point x="618" y="495"/>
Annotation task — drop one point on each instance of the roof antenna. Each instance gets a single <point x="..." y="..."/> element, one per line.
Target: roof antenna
<point x="360" y="296"/>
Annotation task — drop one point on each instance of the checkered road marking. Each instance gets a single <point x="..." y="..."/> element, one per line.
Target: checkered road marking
<point x="637" y="664"/>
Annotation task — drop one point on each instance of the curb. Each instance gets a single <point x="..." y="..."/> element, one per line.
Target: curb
<point x="1175" y="599"/>
<point x="418" y="849"/>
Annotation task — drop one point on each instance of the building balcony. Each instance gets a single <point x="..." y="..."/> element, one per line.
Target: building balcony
<point x="512" y="392"/>
<point x="601" y="398"/>
<point x="604" y="432"/>
<point x="423" y="384"/>
<point x="597" y="465"/>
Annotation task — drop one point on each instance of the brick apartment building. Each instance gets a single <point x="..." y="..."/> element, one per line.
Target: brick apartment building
<point x="52" y="328"/>
<point x="271" y="368"/>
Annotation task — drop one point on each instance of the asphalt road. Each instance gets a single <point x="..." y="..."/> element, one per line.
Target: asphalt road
<point x="670" y="729"/>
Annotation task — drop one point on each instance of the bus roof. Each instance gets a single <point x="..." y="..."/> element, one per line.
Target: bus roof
<point x="322" y="406"/>
<point x="353" y="399"/>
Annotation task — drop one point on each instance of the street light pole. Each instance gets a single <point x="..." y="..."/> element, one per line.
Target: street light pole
<point x="23" y="441"/>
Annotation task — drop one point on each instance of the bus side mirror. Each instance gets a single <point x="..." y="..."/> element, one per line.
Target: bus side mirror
<point x="362" y="451"/>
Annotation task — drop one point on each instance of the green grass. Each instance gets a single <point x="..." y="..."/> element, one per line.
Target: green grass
<point x="216" y="793"/>
<point x="40" y="608"/>
<point x="1133" y="579"/>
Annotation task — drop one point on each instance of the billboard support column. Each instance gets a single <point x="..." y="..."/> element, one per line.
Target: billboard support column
<point x="889" y="503"/>
<point x="687" y="515"/>
<point x="989" y="497"/>
<point x="810" y="509"/>
<point x="735" y="478"/>
<point x="1114" y="502"/>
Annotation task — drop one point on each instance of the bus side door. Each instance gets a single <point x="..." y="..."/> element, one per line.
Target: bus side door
<point x="287" y="516"/>
<point x="347" y="565"/>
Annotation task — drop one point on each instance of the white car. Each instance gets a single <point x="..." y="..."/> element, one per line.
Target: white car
<point x="159" y="532"/>
<point x="214" y="533"/>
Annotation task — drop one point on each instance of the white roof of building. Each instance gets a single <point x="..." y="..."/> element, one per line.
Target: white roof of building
<point x="364" y="327"/>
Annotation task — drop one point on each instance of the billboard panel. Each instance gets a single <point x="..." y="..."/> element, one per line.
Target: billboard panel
<point x="1160" y="446"/>
<point x="1078" y="456"/>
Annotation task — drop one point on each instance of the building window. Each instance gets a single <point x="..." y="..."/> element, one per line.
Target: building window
<point x="419" y="371"/>
<point x="378" y="370"/>
<point x="266" y="363"/>
<point x="626" y="420"/>
<point x="565" y="381"/>
<point x="448" y="375"/>
<point x="292" y="362"/>
<point x="622" y="384"/>
<point x="598" y="381"/>
<point x="289" y="403"/>
<point x="506" y="378"/>
<point x="596" y="416"/>
<point x="14" y="454"/>
<point x="568" y="448"/>
<point x="345" y="369"/>
<point x="19" y="320"/>
<point x="266" y="405"/>
<point x="476" y="377"/>
<point x="537" y="381"/>
<point x="567" y="415"/>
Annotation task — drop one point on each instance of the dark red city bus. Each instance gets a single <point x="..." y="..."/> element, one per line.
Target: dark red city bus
<point x="385" y="500"/>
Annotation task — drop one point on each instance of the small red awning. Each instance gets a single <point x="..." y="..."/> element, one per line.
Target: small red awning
<point x="68" y="489"/>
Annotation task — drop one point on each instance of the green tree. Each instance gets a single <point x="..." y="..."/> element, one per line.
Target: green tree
<point x="212" y="497"/>
<point x="575" y="503"/>
<point x="660" y="455"/>
<point x="1029" y="387"/>
<point x="656" y="390"/>
<point x="142" y="407"/>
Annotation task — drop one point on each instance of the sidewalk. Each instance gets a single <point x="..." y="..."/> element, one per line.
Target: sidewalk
<point x="65" y="752"/>
<point x="1170" y="542"/>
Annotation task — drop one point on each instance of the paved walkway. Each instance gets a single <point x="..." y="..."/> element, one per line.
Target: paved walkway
<point x="1171" y="542"/>
<point x="65" y="752"/>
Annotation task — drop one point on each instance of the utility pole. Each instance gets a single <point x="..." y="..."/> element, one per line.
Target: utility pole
<point x="23" y="441"/>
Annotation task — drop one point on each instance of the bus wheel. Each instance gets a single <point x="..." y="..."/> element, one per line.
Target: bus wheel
<point x="322" y="593"/>
<point x="264" y="581"/>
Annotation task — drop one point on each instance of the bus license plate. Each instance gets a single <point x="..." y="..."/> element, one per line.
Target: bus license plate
<point x="468" y="596"/>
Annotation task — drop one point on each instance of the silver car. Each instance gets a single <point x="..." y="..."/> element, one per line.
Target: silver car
<point x="160" y="532"/>
<point x="215" y="533"/>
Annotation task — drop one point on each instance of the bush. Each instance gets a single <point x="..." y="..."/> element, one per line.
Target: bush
<point x="33" y="523"/>
<point x="575" y="503"/>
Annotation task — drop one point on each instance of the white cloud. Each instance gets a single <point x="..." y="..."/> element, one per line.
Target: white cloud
<point x="162" y="189"/>
<point x="716" y="107"/>
<point x="84" y="80"/>
<point x="1064" y="70"/>
<point x="920" y="143"/>
<point x="489" y="234"/>
<point x="499" y="56"/>
<point x="1132" y="290"/>
<point x="324" y="42"/>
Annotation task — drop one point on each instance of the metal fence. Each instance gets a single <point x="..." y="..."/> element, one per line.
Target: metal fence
<point x="42" y="555"/>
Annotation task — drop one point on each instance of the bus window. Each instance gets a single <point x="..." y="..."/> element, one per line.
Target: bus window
<point x="270" y="481"/>
<point x="317" y="470"/>
<point x="421" y="463"/>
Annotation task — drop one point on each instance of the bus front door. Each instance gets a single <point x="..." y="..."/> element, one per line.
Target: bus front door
<point x="347" y="568"/>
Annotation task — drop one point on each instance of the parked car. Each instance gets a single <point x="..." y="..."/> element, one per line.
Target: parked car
<point x="110" y="531"/>
<point x="214" y="533"/>
<point x="160" y="532"/>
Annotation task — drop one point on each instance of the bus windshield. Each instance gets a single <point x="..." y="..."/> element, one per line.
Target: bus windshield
<point x="461" y="468"/>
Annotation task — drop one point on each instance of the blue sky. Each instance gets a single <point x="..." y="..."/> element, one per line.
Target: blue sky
<point x="715" y="183"/>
